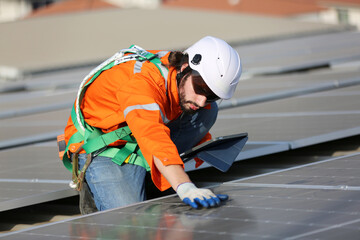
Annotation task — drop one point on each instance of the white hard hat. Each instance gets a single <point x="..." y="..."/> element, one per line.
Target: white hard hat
<point x="217" y="63"/>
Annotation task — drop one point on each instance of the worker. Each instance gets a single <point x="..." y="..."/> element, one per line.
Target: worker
<point x="137" y="111"/>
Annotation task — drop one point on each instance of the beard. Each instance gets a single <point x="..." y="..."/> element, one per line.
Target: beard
<point x="185" y="109"/>
<point x="183" y="100"/>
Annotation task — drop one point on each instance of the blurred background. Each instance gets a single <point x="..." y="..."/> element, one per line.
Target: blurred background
<point x="44" y="35"/>
<point x="325" y="11"/>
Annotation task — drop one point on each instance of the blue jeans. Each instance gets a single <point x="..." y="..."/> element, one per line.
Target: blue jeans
<point x="114" y="186"/>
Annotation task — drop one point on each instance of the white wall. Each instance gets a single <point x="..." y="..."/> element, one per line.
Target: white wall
<point x="136" y="3"/>
<point x="11" y="10"/>
<point x="354" y="17"/>
<point x="331" y="16"/>
<point x="310" y="17"/>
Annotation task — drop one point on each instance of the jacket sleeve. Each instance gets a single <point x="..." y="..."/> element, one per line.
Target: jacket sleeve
<point x="142" y="103"/>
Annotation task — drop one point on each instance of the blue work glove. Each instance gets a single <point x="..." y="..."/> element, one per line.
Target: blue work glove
<point x="197" y="197"/>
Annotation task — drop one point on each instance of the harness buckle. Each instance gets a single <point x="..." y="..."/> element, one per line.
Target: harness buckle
<point x="79" y="175"/>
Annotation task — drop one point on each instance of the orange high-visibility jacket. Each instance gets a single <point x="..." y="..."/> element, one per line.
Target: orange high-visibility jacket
<point x="139" y="98"/>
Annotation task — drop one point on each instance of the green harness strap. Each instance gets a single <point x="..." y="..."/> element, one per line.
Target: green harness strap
<point x="95" y="141"/>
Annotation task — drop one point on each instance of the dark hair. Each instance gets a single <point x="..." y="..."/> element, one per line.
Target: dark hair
<point x="177" y="59"/>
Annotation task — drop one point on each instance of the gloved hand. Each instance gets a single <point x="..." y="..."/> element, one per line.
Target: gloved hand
<point x="196" y="197"/>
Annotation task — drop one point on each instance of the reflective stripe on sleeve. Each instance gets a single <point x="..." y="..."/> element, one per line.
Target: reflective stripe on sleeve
<point x="148" y="107"/>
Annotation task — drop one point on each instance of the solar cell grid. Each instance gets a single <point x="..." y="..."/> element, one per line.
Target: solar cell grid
<point x="32" y="174"/>
<point x="301" y="121"/>
<point x="260" y="85"/>
<point x="38" y="161"/>
<point x="35" y="124"/>
<point x="341" y="172"/>
<point x="297" y="131"/>
<point x="37" y="169"/>
<point x="252" y="212"/>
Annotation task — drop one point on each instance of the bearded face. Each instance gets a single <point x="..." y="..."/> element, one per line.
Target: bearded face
<point x="187" y="106"/>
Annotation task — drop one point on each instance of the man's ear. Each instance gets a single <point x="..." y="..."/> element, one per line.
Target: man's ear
<point x="184" y="66"/>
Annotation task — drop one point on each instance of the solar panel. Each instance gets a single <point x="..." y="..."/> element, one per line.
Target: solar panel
<point x="288" y="207"/>
<point x="32" y="174"/>
<point x="265" y="85"/>
<point x="29" y="126"/>
<point x="28" y="100"/>
<point x="27" y="103"/>
<point x="300" y="121"/>
<point x="335" y="173"/>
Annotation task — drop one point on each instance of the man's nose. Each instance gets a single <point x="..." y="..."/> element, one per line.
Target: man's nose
<point x="201" y="100"/>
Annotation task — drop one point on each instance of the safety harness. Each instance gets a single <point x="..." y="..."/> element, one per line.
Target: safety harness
<point x="96" y="143"/>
